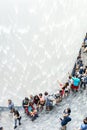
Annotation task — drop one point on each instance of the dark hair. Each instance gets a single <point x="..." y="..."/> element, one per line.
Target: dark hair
<point x="36" y="96"/>
<point x="86" y="66"/>
<point x="85" y="120"/>
<point x="66" y="84"/>
<point x="60" y="91"/>
<point x="41" y="94"/>
<point x="46" y="93"/>
<point x="76" y="76"/>
<point x="69" y="110"/>
<point x="26" y="98"/>
<point x="9" y="100"/>
<point x="70" y="77"/>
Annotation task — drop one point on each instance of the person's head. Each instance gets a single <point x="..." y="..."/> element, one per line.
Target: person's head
<point x="46" y="93"/>
<point x="26" y="98"/>
<point x="36" y="97"/>
<point x="76" y="75"/>
<point x="30" y="103"/>
<point x="40" y="95"/>
<point x="31" y="96"/>
<point x="70" y="77"/>
<point x="85" y="120"/>
<point x="60" y="91"/>
<point x="86" y="66"/>
<point x="9" y="101"/>
<point x="66" y="84"/>
<point x="78" y="57"/>
<point x="68" y="110"/>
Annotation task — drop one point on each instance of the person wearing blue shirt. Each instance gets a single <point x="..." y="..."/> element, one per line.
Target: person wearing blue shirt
<point x="66" y="119"/>
<point x="76" y="82"/>
<point x="64" y="122"/>
<point x="10" y="105"/>
<point x="84" y="125"/>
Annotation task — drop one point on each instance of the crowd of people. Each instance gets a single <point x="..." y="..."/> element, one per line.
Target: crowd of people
<point x="34" y="104"/>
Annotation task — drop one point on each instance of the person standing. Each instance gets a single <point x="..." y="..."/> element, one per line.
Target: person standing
<point x="17" y="117"/>
<point x="76" y="82"/>
<point x="66" y="118"/>
<point x="10" y="105"/>
<point x="64" y="122"/>
<point x="84" y="125"/>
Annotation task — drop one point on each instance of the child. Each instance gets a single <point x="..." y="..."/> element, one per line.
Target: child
<point x="67" y="111"/>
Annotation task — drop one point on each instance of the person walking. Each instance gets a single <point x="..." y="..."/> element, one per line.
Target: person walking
<point x="17" y="117"/>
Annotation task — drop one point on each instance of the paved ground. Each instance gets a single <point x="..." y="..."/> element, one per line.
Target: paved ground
<point x="78" y="104"/>
<point x="50" y="121"/>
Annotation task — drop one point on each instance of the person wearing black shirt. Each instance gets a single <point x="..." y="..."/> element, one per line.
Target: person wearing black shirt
<point x="17" y="117"/>
<point x="1" y="128"/>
